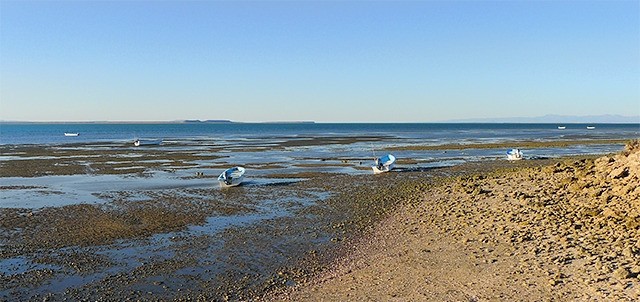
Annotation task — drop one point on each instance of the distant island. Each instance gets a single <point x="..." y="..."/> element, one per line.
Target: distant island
<point x="209" y="121"/>
<point x="232" y="122"/>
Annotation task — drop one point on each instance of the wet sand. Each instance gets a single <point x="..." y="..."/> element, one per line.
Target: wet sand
<point x="197" y="242"/>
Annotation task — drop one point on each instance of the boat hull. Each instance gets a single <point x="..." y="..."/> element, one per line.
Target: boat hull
<point x="383" y="169"/>
<point x="147" y="142"/>
<point x="231" y="177"/>
<point x="233" y="183"/>
<point x="514" y="154"/>
<point x="513" y="157"/>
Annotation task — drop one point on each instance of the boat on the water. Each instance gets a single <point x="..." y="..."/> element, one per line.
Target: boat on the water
<point x="146" y="142"/>
<point x="591" y="127"/>
<point x="71" y="134"/>
<point x="514" y="154"/>
<point x="384" y="164"/>
<point x="562" y="127"/>
<point x="231" y="177"/>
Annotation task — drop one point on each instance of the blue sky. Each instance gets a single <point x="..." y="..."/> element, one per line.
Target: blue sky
<point x="331" y="61"/>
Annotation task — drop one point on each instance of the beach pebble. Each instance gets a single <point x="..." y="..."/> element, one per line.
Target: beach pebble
<point x="621" y="273"/>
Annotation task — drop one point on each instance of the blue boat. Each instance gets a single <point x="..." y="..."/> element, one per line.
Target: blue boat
<point x="384" y="164"/>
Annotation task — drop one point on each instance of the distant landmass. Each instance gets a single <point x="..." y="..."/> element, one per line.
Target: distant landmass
<point x="560" y="119"/>
<point x="232" y="122"/>
<point x="208" y="121"/>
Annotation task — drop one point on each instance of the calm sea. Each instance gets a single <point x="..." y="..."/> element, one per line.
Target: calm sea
<point x="432" y="133"/>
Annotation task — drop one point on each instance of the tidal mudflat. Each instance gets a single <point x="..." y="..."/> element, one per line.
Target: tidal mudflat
<point x="90" y="221"/>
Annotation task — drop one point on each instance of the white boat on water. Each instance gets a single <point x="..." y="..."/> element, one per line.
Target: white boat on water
<point x="71" y="134"/>
<point x="514" y="154"/>
<point x="591" y="127"/>
<point x="146" y="142"/>
<point x="384" y="164"/>
<point x="231" y="177"/>
<point x="562" y="127"/>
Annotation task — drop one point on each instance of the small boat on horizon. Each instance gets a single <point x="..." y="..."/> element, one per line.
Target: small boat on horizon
<point x="71" y="134"/>
<point x="146" y="142"/>
<point x="562" y="127"/>
<point x="231" y="177"/>
<point x="591" y="127"/>
<point x="384" y="164"/>
<point x="514" y="154"/>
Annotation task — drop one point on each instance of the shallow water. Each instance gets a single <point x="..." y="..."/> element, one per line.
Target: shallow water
<point x="246" y="134"/>
<point x="62" y="190"/>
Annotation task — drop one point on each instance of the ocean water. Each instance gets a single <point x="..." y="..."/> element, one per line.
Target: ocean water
<point x="423" y="133"/>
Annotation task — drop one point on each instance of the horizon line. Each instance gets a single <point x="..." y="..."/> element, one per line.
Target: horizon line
<point x="310" y="122"/>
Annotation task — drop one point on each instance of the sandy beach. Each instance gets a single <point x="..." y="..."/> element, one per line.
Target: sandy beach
<point x="539" y="229"/>
<point x="561" y="232"/>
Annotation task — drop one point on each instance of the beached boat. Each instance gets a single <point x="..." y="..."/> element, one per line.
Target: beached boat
<point x="514" y="154"/>
<point x="384" y="164"/>
<point x="71" y="134"/>
<point x="146" y="142"/>
<point x="590" y="127"/>
<point x="231" y="177"/>
<point x="562" y="127"/>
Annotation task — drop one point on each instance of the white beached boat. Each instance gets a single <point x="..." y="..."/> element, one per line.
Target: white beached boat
<point x="562" y="127"/>
<point x="590" y="127"/>
<point x="384" y="164"/>
<point x="71" y="134"/>
<point x="514" y="154"/>
<point x="146" y="142"/>
<point x="231" y="177"/>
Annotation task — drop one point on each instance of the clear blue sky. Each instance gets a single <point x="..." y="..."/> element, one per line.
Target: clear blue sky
<point x="332" y="61"/>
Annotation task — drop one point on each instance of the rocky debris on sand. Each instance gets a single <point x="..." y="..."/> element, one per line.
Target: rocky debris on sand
<point x="580" y="218"/>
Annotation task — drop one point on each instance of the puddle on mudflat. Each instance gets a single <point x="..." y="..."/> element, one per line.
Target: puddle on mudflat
<point x="21" y="265"/>
<point x="62" y="190"/>
<point x="206" y="251"/>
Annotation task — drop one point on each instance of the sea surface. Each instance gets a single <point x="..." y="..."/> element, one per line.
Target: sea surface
<point x="424" y="133"/>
